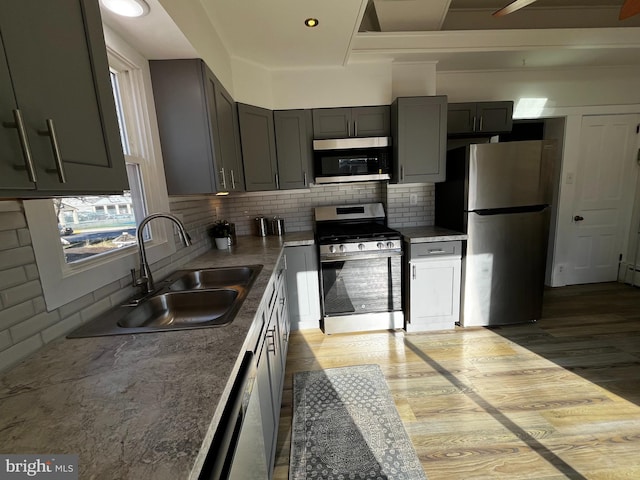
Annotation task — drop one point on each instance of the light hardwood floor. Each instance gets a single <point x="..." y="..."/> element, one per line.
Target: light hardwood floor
<point x="555" y="399"/>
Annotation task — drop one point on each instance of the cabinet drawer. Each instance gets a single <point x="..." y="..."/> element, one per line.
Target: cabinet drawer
<point x="435" y="250"/>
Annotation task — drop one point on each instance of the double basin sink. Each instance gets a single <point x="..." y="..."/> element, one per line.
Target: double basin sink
<point x="187" y="299"/>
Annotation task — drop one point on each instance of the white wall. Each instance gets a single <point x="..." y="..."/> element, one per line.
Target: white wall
<point x="357" y="84"/>
<point x="563" y="88"/>
<point x="192" y="19"/>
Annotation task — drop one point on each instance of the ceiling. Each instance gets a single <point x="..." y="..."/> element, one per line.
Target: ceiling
<point x="457" y="34"/>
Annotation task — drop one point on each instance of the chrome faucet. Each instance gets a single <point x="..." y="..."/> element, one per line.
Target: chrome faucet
<point x="145" y="280"/>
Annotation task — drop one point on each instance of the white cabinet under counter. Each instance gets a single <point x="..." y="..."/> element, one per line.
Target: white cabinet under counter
<point x="433" y="259"/>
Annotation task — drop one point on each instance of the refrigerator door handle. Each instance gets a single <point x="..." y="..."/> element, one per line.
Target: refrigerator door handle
<point x="508" y="210"/>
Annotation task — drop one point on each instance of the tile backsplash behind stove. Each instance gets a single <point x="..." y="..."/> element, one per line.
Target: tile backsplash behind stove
<point x="406" y="205"/>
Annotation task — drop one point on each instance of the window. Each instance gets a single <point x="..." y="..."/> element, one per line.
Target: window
<point x="74" y="254"/>
<point x="102" y="224"/>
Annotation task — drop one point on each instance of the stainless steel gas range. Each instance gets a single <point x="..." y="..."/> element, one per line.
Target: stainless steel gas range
<point x="360" y="269"/>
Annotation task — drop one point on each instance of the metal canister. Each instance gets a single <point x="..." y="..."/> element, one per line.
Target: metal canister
<point x="261" y="226"/>
<point x="277" y="226"/>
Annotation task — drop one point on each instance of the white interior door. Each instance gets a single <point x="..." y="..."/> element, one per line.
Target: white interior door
<point x="605" y="186"/>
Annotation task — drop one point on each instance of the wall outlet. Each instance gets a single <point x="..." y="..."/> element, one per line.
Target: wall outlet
<point x="413" y="199"/>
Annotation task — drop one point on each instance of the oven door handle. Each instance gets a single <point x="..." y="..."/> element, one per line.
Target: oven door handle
<point x="360" y="256"/>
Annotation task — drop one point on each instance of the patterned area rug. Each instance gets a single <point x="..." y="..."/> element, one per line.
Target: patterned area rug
<point x="346" y="426"/>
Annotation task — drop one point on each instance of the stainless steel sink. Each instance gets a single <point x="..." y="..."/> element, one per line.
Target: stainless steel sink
<point x="213" y="278"/>
<point x="188" y="299"/>
<point x="175" y="309"/>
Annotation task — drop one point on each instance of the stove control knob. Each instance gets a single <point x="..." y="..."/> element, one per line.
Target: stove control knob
<point x="380" y="245"/>
<point x="390" y="245"/>
<point x="332" y="249"/>
<point x="343" y="248"/>
<point x="361" y="246"/>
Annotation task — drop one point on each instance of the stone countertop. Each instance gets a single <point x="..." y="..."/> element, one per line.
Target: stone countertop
<point x="430" y="234"/>
<point x="141" y="406"/>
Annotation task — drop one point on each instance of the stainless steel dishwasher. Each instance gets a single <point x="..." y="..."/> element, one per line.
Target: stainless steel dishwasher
<point x="237" y="451"/>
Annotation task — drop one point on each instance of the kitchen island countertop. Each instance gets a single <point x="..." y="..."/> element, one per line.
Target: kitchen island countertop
<point x="141" y="406"/>
<point x="430" y="234"/>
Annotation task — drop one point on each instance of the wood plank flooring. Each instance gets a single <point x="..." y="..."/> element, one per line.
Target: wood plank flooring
<point x="556" y="399"/>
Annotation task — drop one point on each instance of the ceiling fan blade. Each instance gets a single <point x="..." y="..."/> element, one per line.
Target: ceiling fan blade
<point x="516" y="5"/>
<point x="629" y="9"/>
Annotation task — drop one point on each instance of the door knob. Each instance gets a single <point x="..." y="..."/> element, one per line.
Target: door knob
<point x="578" y="218"/>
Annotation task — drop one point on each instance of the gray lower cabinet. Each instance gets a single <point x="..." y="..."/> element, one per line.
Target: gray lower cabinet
<point x="198" y="127"/>
<point x="419" y="130"/>
<point x="472" y="118"/>
<point x="303" y="286"/>
<point x="433" y="286"/>
<point x="59" y="131"/>
<point x="276" y="147"/>
<point x="351" y="122"/>
<point x="272" y="359"/>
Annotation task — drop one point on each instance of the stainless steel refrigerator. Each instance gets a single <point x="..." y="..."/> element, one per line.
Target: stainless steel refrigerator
<point x="499" y="194"/>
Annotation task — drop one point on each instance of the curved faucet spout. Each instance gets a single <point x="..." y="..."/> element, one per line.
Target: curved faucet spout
<point x="145" y="281"/>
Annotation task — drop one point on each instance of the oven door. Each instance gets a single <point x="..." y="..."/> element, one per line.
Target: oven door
<point x="361" y="292"/>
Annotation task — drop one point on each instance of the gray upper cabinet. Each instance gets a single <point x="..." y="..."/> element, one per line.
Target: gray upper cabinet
<point x="226" y="136"/>
<point x="294" y="139"/>
<point x="419" y="130"/>
<point x="198" y="128"/>
<point x="257" y="134"/>
<point x="59" y="128"/>
<point x="351" y="122"/>
<point x="276" y="147"/>
<point x="475" y="118"/>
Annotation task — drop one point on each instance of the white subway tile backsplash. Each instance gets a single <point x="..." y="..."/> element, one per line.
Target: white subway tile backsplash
<point x="5" y="340"/>
<point x="61" y="328"/>
<point x="95" y="309"/>
<point x="33" y="325"/>
<point x="8" y="239"/>
<point x="16" y="257"/>
<point x="18" y="294"/>
<point x="12" y="220"/>
<point x="19" y="351"/>
<point x="12" y="277"/>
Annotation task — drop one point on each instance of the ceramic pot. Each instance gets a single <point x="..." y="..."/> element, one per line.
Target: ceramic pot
<point x="222" y="243"/>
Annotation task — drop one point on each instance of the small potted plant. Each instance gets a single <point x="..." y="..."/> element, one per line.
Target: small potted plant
<point x="221" y="233"/>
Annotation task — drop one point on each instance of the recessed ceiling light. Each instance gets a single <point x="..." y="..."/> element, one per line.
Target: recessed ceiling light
<point x="127" y="8"/>
<point x="311" y="22"/>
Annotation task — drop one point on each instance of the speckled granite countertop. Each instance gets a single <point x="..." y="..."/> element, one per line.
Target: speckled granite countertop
<point x="139" y="406"/>
<point x="430" y="234"/>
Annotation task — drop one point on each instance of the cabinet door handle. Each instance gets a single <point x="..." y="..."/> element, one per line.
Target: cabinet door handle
<point x="355" y="128"/>
<point x="348" y="129"/>
<point x="55" y="146"/>
<point x="277" y="182"/>
<point x="305" y="179"/>
<point x="436" y="250"/>
<point x="233" y="180"/>
<point x="224" y="180"/>
<point x="18" y="123"/>
<point x="481" y="123"/>
<point x="271" y="334"/>
<point x="474" y="124"/>
<point x="401" y="173"/>
<point x="414" y="273"/>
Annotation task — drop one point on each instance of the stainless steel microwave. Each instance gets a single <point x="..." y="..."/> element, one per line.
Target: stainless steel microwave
<point x="352" y="159"/>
